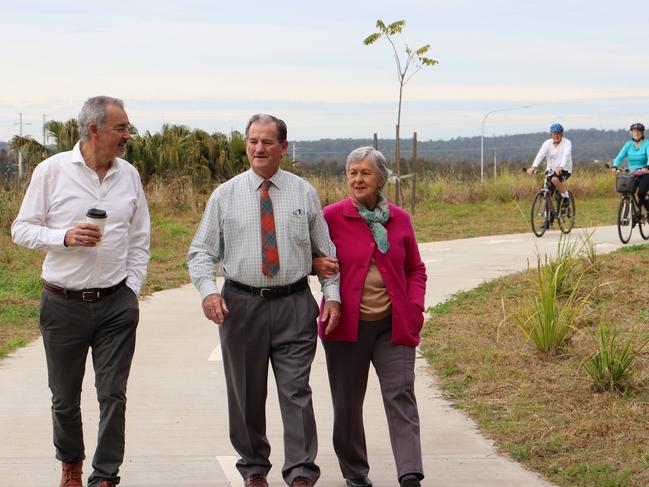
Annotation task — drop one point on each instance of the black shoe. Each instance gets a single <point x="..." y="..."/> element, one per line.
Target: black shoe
<point x="363" y="481"/>
<point x="409" y="480"/>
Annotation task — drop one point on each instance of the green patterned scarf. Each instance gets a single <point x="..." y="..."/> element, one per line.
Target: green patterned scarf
<point x="375" y="219"/>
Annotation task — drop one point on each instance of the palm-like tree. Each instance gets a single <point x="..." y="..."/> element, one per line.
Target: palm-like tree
<point x="175" y="151"/>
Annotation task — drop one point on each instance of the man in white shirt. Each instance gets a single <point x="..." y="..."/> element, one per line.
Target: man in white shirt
<point x="557" y="151"/>
<point x="91" y="280"/>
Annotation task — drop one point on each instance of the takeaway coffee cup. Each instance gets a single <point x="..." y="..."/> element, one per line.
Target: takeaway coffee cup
<point x="97" y="217"/>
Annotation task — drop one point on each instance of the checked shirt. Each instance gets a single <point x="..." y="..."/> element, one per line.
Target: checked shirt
<point x="230" y="233"/>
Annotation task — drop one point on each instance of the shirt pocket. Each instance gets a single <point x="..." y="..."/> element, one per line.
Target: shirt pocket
<point x="298" y="227"/>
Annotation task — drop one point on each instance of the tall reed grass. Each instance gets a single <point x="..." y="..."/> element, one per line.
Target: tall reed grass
<point x="613" y="366"/>
<point x="432" y="189"/>
<point x="454" y="188"/>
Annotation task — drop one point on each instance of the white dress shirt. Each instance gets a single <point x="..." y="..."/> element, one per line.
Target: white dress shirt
<point x="62" y="189"/>
<point x="230" y="233"/>
<point x="556" y="155"/>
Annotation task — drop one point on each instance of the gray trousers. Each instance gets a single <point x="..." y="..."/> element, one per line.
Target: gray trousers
<point x="348" y="366"/>
<point x="282" y="331"/>
<point x="69" y="329"/>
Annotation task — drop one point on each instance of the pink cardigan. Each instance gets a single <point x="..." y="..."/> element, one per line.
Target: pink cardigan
<point x="401" y="267"/>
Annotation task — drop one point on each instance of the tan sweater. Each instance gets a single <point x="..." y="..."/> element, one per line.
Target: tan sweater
<point x="375" y="302"/>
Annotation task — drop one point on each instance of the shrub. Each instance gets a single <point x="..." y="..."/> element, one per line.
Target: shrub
<point x="613" y="366"/>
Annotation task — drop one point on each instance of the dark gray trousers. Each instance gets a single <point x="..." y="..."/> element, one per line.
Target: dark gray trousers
<point x="348" y="365"/>
<point x="282" y="331"/>
<point x="69" y="329"/>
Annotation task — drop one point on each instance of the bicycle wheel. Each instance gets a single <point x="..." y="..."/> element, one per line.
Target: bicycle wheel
<point x="539" y="214"/>
<point x="567" y="215"/>
<point x="625" y="219"/>
<point x="643" y="224"/>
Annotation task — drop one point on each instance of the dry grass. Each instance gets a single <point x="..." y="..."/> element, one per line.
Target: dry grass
<point x="175" y="208"/>
<point x="544" y="412"/>
<point x="448" y="207"/>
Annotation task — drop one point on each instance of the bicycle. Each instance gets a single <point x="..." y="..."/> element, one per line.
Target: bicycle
<point x="630" y="211"/>
<point x="546" y="208"/>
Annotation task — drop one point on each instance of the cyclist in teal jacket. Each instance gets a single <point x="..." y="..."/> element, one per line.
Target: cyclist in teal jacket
<point x="636" y="152"/>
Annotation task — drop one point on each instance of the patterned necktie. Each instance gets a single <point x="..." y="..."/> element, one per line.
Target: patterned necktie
<point x="269" y="254"/>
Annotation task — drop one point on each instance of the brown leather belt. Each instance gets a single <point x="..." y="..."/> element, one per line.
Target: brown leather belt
<point x="88" y="295"/>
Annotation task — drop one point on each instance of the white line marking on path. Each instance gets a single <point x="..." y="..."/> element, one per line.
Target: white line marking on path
<point x="229" y="469"/>
<point x="216" y="355"/>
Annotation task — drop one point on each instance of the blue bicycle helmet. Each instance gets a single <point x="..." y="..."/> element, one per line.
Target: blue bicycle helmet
<point x="556" y="128"/>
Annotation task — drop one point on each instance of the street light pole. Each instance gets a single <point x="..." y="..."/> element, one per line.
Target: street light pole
<point x="482" y="136"/>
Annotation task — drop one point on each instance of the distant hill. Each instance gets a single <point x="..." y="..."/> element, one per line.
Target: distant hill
<point x="588" y="145"/>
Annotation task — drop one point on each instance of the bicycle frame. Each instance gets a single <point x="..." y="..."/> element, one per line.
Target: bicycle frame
<point x="629" y="215"/>
<point x="547" y="204"/>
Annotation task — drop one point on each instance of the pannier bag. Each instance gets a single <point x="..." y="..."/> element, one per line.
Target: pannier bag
<point x="626" y="183"/>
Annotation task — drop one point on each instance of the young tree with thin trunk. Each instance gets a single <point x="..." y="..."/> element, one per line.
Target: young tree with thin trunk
<point x="406" y="68"/>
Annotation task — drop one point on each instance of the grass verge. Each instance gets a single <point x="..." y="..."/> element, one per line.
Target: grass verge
<point x="544" y="412"/>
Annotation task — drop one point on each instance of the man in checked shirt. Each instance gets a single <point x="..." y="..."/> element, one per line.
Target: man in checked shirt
<point x="264" y="226"/>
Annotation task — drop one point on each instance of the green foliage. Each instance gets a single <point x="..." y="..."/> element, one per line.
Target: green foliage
<point x="612" y="367"/>
<point x="588" y="248"/>
<point x="598" y="474"/>
<point x="629" y="249"/>
<point x="175" y="151"/>
<point x="564" y="265"/>
<point x="545" y="321"/>
<point x="413" y="59"/>
<point x="372" y="38"/>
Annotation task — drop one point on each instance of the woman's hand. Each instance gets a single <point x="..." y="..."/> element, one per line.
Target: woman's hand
<point x="325" y="267"/>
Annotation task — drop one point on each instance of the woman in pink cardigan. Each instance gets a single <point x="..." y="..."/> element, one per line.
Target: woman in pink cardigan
<point x="382" y="287"/>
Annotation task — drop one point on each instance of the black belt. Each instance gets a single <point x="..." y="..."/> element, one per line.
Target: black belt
<point x="88" y="295"/>
<point x="271" y="292"/>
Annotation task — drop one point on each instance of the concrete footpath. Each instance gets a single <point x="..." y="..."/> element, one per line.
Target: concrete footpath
<point x="177" y="434"/>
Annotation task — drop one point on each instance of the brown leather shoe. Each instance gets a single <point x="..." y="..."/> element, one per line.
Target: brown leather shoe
<point x="255" y="480"/>
<point x="71" y="475"/>
<point x="302" y="482"/>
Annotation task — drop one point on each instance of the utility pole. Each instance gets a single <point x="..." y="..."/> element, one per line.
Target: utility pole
<point x="20" y="152"/>
<point x="482" y="136"/>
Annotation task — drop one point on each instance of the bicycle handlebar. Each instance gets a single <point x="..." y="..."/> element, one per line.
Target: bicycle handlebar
<point x="545" y="173"/>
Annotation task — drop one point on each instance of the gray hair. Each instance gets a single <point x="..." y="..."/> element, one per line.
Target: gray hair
<point x="265" y="118"/>
<point x="373" y="155"/>
<point x="94" y="111"/>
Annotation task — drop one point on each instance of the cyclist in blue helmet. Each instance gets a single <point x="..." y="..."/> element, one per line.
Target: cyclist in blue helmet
<point x="636" y="152"/>
<point x="557" y="152"/>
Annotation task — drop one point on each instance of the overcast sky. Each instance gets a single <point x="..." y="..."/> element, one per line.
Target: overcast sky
<point x="211" y="64"/>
